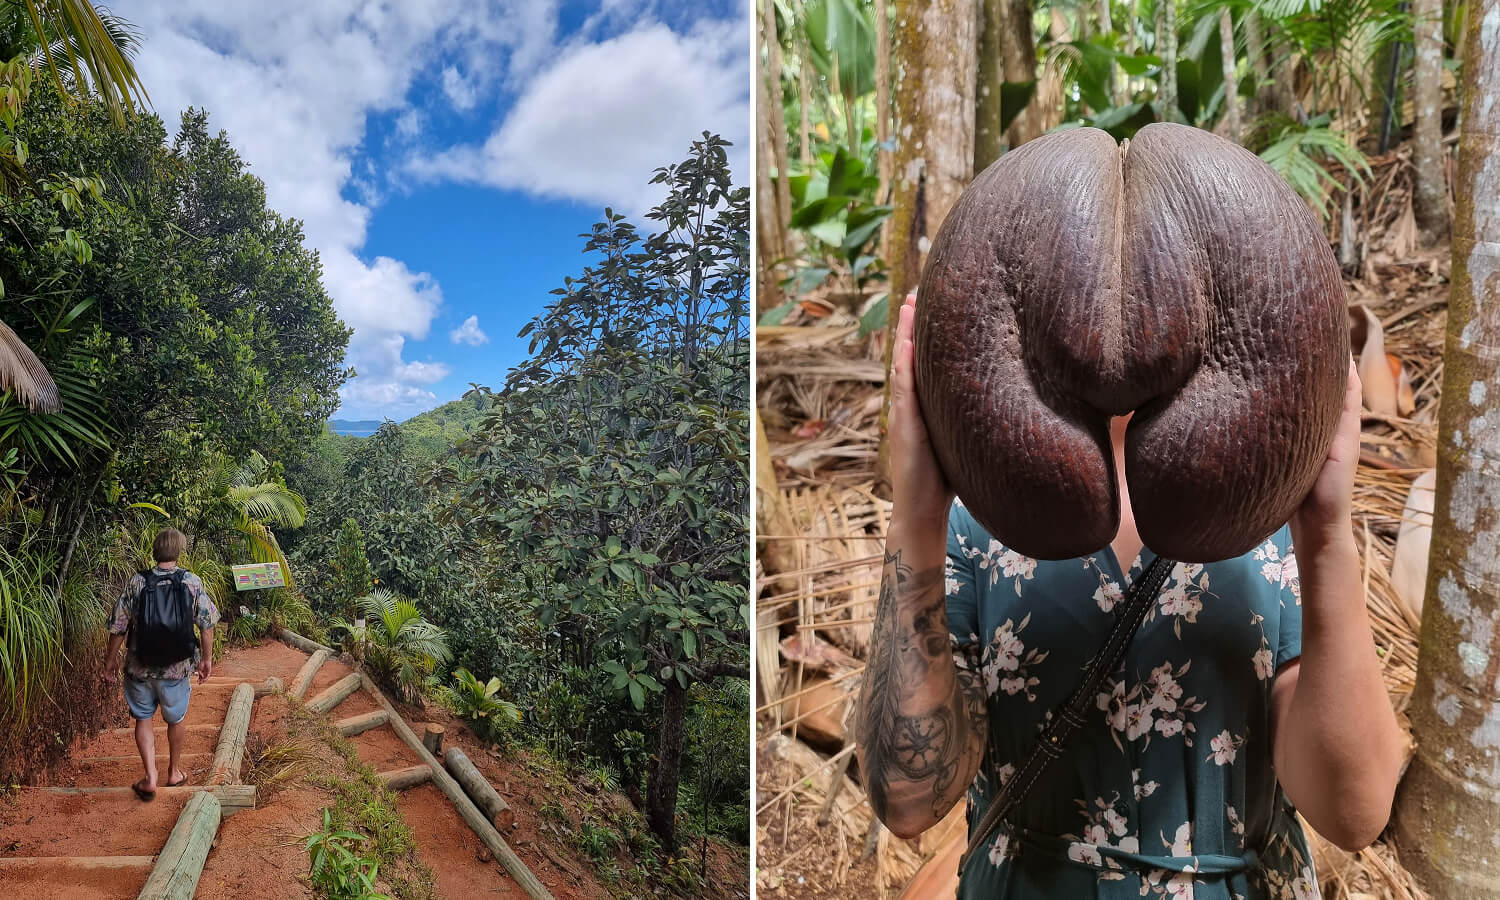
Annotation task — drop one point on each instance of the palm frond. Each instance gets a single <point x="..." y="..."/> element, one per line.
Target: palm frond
<point x="270" y="502"/>
<point x="101" y="45"/>
<point x="24" y="374"/>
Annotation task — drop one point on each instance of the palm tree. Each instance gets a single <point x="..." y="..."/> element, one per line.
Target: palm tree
<point x="236" y="505"/>
<point x="1446" y="810"/>
<point x="400" y="647"/>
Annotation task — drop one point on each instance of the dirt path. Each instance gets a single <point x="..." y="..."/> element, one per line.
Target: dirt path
<point x="260" y="851"/>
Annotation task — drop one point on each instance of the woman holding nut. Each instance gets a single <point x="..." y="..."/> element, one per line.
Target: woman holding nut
<point x="1250" y="692"/>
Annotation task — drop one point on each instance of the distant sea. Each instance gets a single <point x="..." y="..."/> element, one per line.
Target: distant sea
<point x="359" y="428"/>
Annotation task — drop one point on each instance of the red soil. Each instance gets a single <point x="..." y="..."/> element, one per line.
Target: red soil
<point x="77" y="883"/>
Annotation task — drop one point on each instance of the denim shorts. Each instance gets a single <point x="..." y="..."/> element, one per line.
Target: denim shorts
<point x="144" y="696"/>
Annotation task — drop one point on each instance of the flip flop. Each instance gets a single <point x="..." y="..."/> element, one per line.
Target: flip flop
<point x="179" y="782"/>
<point x="141" y="792"/>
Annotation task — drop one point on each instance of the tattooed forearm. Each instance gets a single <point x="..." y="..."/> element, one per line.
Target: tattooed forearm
<point x="921" y="720"/>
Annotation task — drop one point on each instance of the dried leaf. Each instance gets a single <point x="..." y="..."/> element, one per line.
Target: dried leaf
<point x="1375" y="371"/>
<point x="1413" y="541"/>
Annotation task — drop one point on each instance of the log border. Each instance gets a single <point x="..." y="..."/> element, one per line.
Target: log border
<point x="180" y="864"/>
<point x="460" y="800"/>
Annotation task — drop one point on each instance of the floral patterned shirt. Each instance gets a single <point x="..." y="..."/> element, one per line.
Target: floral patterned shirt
<point x="205" y="615"/>
<point x="1168" y="791"/>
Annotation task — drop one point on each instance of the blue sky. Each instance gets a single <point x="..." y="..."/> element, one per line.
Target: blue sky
<point x="445" y="155"/>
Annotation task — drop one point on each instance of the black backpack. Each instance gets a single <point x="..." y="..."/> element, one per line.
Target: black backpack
<point x="162" y="633"/>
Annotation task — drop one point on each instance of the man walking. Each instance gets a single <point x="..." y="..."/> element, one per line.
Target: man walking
<point x="154" y="618"/>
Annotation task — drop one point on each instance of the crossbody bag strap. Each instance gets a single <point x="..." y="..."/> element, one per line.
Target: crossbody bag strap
<point x="1068" y="716"/>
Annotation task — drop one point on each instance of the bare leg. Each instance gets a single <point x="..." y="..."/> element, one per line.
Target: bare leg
<point x="145" y="741"/>
<point x="176" y="732"/>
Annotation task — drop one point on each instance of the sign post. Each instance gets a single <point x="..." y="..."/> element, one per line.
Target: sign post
<point x="258" y="576"/>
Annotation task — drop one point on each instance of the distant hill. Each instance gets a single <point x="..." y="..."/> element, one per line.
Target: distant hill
<point x="433" y="431"/>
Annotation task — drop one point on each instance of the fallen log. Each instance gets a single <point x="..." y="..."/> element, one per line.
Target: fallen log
<point x="361" y="723"/>
<point x="175" y="875"/>
<point x="466" y="808"/>
<point x="231" y="749"/>
<point x="432" y="738"/>
<point x="294" y="639"/>
<point x="334" y="694"/>
<point x="231" y="797"/>
<point x="305" y="675"/>
<point x="411" y="776"/>
<point x="479" y="789"/>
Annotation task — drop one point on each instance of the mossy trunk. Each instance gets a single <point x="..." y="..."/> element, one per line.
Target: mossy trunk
<point x="1007" y="52"/>
<point x="1231" y="84"/>
<point x="936" y="56"/>
<point x="1166" y="48"/>
<point x="1430" y="196"/>
<point x="773" y="197"/>
<point x="1448" y="806"/>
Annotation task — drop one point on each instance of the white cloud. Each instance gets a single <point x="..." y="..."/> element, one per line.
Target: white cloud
<point x="295" y="85"/>
<point x="469" y="333"/>
<point x="596" y="124"/>
<point x="460" y="91"/>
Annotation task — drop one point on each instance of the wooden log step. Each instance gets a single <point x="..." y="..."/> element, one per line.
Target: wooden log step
<point x="334" y="694"/>
<point x="294" y="639"/>
<point x="411" y="776"/>
<point x="20" y="866"/>
<point x="231" y="797"/>
<point x="470" y="813"/>
<point x="175" y="875"/>
<point x="231" y="750"/>
<point x="229" y="684"/>
<point x="361" y="723"/>
<point x="305" y="676"/>
<point x="479" y="789"/>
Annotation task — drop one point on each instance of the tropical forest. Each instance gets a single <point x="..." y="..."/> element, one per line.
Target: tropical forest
<point x="504" y="647"/>
<point x="873" y="118"/>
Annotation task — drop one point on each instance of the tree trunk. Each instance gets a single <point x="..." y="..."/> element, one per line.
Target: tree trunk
<point x="1448" y="805"/>
<point x="883" y="98"/>
<point x="661" y="790"/>
<point x="1018" y="54"/>
<point x="1255" y="51"/>
<point x="1430" y="197"/>
<point x="770" y="222"/>
<point x="989" y="136"/>
<point x="1166" y="48"/>
<point x="1231" y="86"/>
<point x="775" y="204"/>
<point x="804" y="99"/>
<point x="936" y="67"/>
<point x="1107" y="26"/>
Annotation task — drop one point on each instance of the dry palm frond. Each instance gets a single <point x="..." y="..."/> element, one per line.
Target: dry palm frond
<point x="270" y="765"/>
<point x="22" y="373"/>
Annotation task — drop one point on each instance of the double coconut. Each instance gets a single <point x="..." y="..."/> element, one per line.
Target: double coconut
<point x="1177" y="277"/>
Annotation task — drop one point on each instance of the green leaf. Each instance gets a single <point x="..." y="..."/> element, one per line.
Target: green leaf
<point x="637" y="695"/>
<point x="875" y="317"/>
<point x="778" y="314"/>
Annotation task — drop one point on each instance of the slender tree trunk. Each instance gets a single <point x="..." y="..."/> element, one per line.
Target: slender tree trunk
<point x="1448" y="805"/>
<point x="770" y="247"/>
<point x="804" y="100"/>
<point x="989" y="136"/>
<point x="1231" y="84"/>
<point x="1107" y="26"/>
<point x="1166" y="48"/>
<point x="773" y="198"/>
<point x="1018" y="55"/>
<point x="936" y="68"/>
<point x="1255" y="52"/>
<point x="661" y="788"/>
<point x="1430" y="197"/>
<point x="1132" y="42"/>
<point x="776" y="117"/>
<point x="883" y="95"/>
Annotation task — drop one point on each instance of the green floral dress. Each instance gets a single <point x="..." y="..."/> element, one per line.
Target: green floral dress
<point x="1169" y="791"/>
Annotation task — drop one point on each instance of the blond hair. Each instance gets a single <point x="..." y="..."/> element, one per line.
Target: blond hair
<point x="169" y="544"/>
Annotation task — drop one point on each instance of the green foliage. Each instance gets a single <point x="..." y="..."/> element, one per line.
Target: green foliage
<point x="480" y="703"/>
<point x="1298" y="153"/>
<point x="611" y="477"/>
<point x="338" y="872"/>
<point x="399" y="646"/>
<point x="351" y="568"/>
